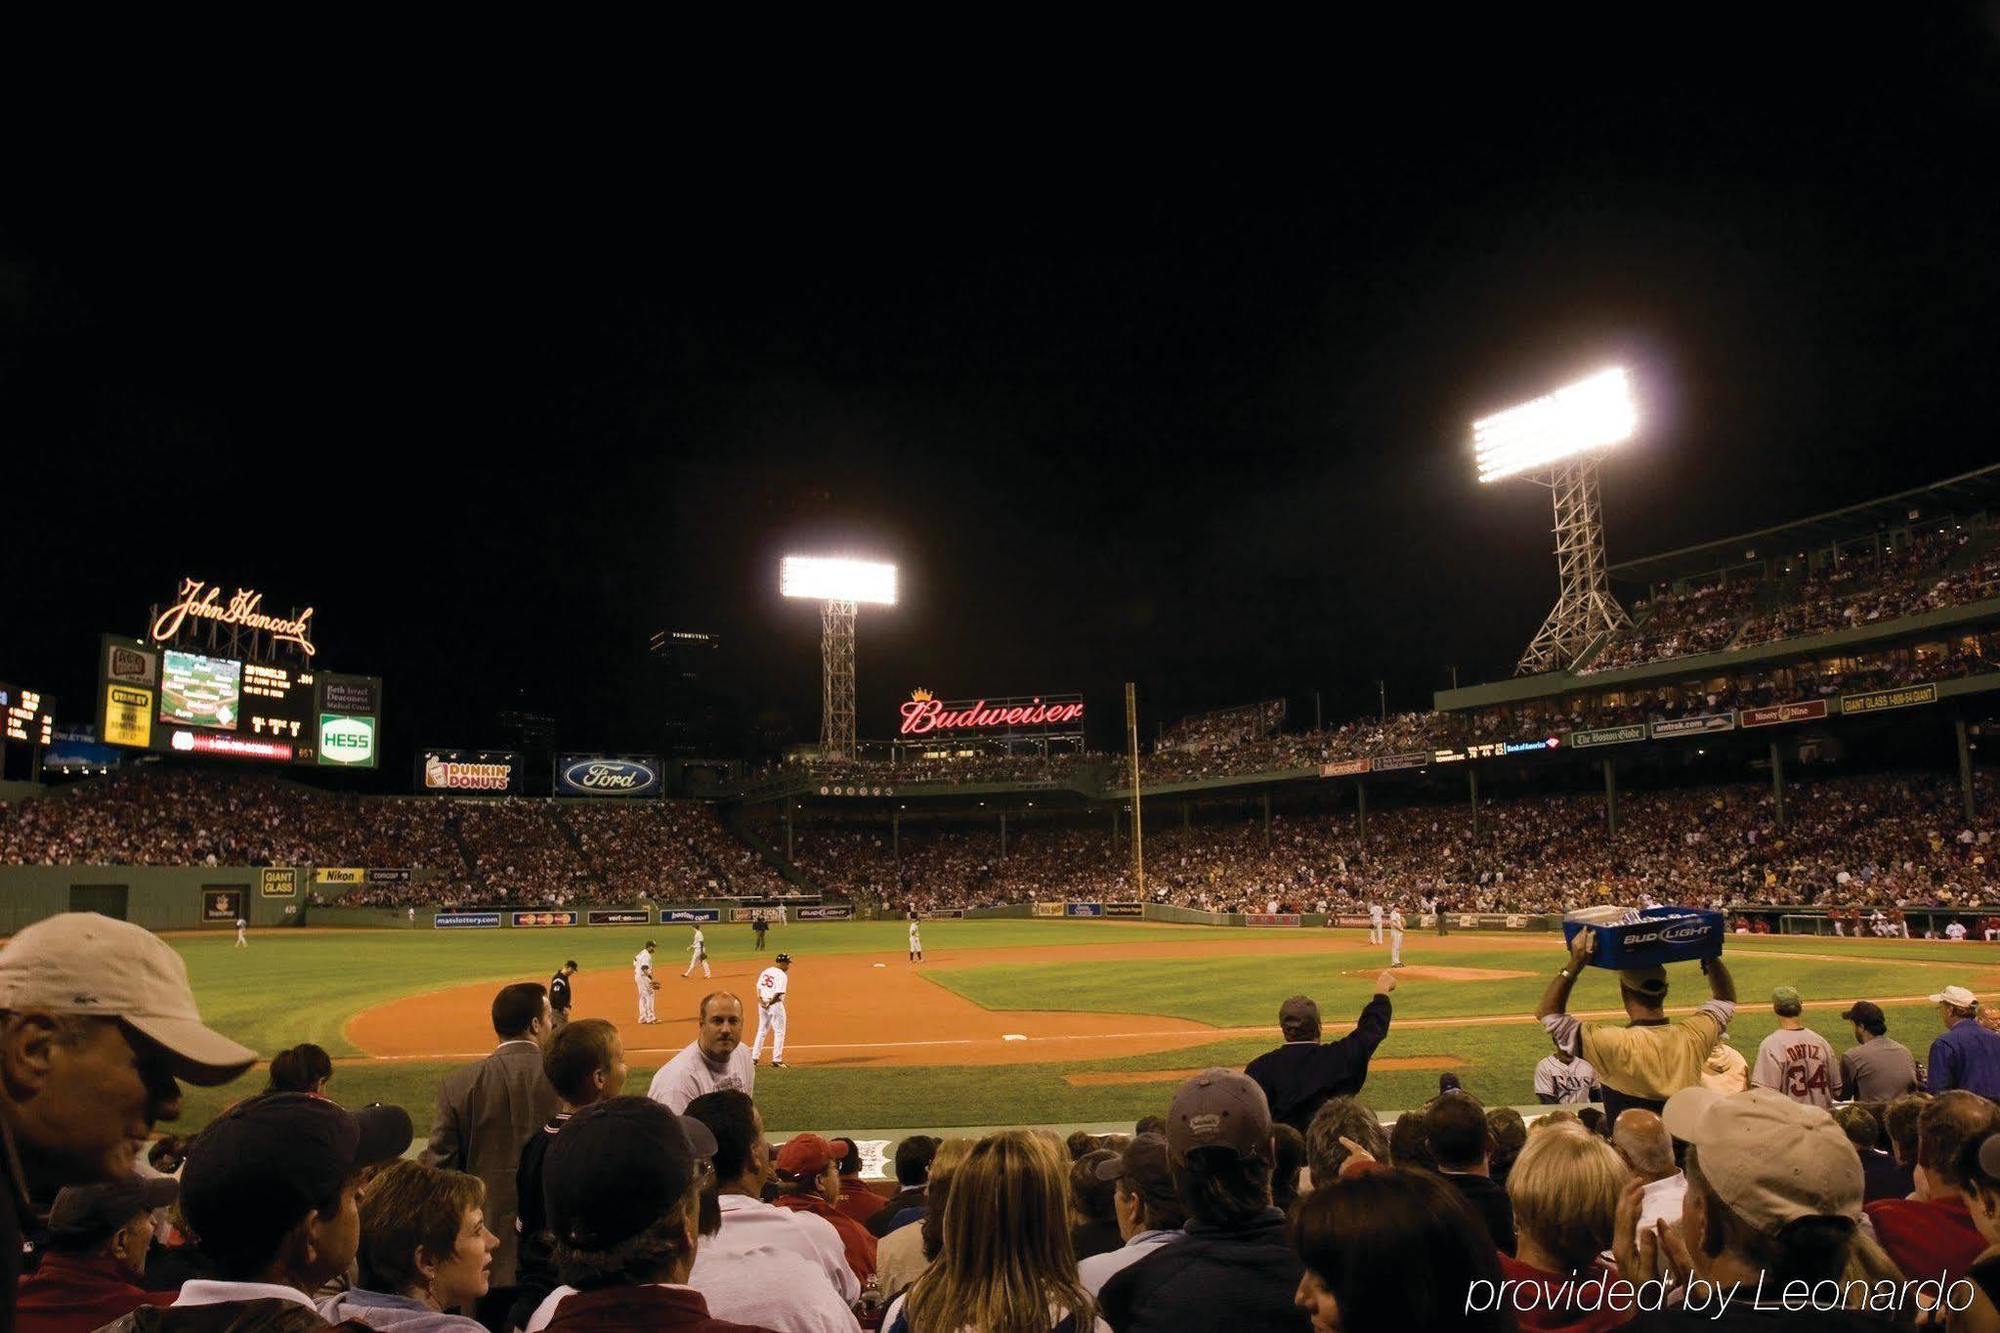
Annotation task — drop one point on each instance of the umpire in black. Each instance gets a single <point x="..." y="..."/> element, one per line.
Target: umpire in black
<point x="1303" y="1074"/>
<point x="559" y="995"/>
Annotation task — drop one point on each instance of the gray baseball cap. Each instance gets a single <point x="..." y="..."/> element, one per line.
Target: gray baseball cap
<point x="1298" y="1018"/>
<point x="1219" y="1108"/>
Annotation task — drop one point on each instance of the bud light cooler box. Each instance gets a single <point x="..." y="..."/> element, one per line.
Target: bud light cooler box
<point x="1644" y="938"/>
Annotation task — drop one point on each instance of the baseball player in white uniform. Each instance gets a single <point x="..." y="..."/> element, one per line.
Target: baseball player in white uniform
<point x="1396" y="936"/>
<point x="1374" y="923"/>
<point x="699" y="955"/>
<point x="242" y="938"/>
<point x="916" y="943"/>
<point x="642" y="981"/>
<point x="771" y="984"/>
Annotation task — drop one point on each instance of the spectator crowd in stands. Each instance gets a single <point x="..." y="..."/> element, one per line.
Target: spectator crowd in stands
<point x="546" y="1198"/>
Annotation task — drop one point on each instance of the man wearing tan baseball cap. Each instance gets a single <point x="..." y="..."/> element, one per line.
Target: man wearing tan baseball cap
<point x="97" y="1020"/>
<point x="1774" y="1195"/>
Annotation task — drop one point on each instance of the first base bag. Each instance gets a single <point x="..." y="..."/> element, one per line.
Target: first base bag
<point x="1644" y="938"/>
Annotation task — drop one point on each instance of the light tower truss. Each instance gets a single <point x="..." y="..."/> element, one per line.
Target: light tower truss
<point x="837" y="691"/>
<point x="1584" y="605"/>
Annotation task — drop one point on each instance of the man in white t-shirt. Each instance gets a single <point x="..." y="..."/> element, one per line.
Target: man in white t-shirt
<point x="715" y="1060"/>
<point x="642" y="981"/>
<point x="1795" y="1060"/>
<point x="772" y="983"/>
<point x="1563" y="1079"/>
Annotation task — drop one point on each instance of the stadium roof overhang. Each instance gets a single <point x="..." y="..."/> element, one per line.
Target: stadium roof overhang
<point x="1966" y="493"/>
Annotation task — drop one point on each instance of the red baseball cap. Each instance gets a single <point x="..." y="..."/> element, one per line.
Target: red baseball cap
<point x="807" y="1155"/>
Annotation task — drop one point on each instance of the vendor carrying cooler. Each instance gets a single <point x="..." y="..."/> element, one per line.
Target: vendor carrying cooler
<point x="1647" y="1059"/>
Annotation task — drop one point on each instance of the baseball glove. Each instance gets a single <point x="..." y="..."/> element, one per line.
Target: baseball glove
<point x="656" y="983"/>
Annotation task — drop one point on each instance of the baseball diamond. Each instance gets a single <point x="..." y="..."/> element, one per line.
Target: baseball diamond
<point x="1096" y="1006"/>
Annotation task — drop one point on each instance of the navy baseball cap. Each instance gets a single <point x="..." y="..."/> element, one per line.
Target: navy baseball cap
<point x="782" y="958"/>
<point x="618" y="1167"/>
<point x="264" y="1162"/>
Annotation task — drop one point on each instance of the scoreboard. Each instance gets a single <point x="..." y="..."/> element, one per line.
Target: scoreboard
<point x="181" y="702"/>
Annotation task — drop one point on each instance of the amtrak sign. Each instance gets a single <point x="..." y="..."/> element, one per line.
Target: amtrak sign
<point x="605" y="775"/>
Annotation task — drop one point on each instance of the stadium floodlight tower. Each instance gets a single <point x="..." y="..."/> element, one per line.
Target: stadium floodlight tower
<point x="840" y="586"/>
<point x="1557" y="441"/>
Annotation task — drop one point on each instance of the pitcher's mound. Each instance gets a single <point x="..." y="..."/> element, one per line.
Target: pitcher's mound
<point x="1424" y="972"/>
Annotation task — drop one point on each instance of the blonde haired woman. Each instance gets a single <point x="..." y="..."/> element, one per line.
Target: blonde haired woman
<point x="905" y="1252"/>
<point x="1005" y="1264"/>
<point x="1565" y="1188"/>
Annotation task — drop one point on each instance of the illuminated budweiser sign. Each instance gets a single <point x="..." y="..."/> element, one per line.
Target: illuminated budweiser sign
<point x="924" y="714"/>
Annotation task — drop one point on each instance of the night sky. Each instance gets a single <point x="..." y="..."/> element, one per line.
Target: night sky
<point x="1183" y="399"/>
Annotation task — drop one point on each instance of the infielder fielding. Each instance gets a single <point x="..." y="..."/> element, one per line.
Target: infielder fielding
<point x="642" y="981"/>
<point x="1396" y="936"/>
<point x="771" y="984"/>
<point x="699" y="950"/>
<point x="916" y="943"/>
<point x="560" y="996"/>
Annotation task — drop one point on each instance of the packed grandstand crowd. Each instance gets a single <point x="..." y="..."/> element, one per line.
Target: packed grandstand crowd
<point x="1852" y="590"/>
<point x="512" y="850"/>
<point x="1896" y="840"/>
<point x="1859" y="841"/>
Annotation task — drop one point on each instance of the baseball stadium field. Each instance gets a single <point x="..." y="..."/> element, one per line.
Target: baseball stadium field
<point x="1006" y="1022"/>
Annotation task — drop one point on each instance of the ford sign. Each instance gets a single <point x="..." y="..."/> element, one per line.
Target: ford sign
<point x="591" y="775"/>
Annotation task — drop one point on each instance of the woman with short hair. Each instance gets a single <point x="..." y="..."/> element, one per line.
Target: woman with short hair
<point x="1394" y="1250"/>
<point x="1565" y="1188"/>
<point x="1006" y="1264"/>
<point x="425" y="1251"/>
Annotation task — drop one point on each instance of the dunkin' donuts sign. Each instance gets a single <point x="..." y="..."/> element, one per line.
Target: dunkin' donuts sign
<point x="924" y="714"/>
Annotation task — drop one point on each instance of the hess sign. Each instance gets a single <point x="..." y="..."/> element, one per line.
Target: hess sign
<point x="924" y="714"/>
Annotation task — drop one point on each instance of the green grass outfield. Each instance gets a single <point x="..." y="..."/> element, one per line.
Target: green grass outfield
<point x="302" y="986"/>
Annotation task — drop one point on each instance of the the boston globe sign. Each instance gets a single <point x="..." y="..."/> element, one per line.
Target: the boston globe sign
<point x="608" y="775"/>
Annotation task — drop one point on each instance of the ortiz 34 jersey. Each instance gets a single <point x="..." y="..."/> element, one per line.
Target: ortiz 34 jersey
<point x="1800" y="1064"/>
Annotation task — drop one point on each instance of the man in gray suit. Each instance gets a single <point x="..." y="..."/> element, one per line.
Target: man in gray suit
<point x="486" y="1111"/>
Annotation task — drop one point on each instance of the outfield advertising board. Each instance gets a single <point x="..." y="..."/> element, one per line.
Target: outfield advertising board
<point x="618" y="916"/>
<point x="1702" y="725"/>
<point x="1344" y="768"/>
<point x="1880" y="701"/>
<point x="1583" y="740"/>
<point x="1271" y="919"/>
<point x="608" y="775"/>
<point x="222" y="902"/>
<point x="390" y="875"/>
<point x="1048" y="909"/>
<point x="340" y="875"/>
<point x="1384" y="763"/>
<point x="842" y="912"/>
<point x="279" y="882"/>
<point x="691" y="916"/>
<point x="466" y="921"/>
<point x="1124" y="909"/>
<point x="945" y="914"/>
<point x="1811" y="710"/>
<point x="1083" y="909"/>
<point x="542" y="920"/>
